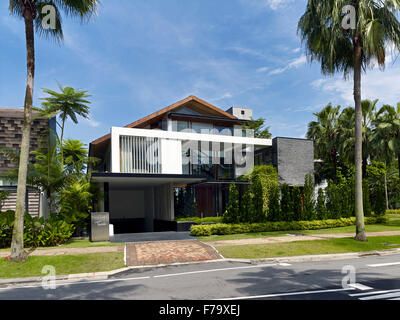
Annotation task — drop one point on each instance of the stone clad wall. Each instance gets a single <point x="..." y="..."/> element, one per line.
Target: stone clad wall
<point x="11" y="135"/>
<point x="294" y="158"/>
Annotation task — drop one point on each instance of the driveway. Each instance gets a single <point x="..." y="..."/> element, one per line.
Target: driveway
<point x="152" y="236"/>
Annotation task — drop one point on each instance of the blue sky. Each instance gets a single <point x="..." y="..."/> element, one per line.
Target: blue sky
<point x="139" y="56"/>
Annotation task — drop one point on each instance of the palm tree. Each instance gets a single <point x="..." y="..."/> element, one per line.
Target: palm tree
<point x="388" y="131"/>
<point x="325" y="133"/>
<point x="76" y="157"/>
<point x="345" y="50"/>
<point x="347" y="133"/>
<point x="68" y="104"/>
<point x="31" y="11"/>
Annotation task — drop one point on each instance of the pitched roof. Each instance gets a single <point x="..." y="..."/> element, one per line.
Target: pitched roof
<point x="195" y="103"/>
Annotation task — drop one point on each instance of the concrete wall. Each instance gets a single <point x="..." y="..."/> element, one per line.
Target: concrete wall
<point x="293" y="158"/>
<point x="164" y="202"/>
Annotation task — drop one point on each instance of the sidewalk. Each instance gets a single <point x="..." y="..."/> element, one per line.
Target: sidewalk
<point x="294" y="237"/>
<point x="68" y="251"/>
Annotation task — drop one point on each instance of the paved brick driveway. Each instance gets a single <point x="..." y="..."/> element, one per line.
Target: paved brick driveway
<point x="167" y="252"/>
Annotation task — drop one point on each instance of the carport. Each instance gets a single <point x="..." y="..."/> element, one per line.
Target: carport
<point x="140" y="202"/>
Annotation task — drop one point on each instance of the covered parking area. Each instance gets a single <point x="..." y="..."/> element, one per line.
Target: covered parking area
<point x="140" y="202"/>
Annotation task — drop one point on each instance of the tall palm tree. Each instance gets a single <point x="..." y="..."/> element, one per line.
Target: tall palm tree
<point x="34" y="17"/>
<point x="325" y="133"/>
<point x="68" y="104"/>
<point x="344" y="50"/>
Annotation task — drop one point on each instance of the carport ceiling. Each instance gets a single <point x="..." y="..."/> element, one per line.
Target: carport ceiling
<point x="145" y="180"/>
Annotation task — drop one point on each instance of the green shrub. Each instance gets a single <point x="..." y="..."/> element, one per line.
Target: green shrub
<point x="38" y="232"/>
<point x="3" y="196"/>
<point x="75" y="203"/>
<point x="231" y="214"/>
<point x="6" y="227"/>
<point x="263" y="182"/>
<point x="393" y="211"/>
<point x="225" y="229"/>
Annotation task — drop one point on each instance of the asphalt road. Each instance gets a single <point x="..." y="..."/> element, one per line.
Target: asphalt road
<point x="367" y="278"/>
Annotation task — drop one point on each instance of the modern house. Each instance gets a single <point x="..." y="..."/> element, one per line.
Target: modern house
<point x="11" y="121"/>
<point x="189" y="143"/>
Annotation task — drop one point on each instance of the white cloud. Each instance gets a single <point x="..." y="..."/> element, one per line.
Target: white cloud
<point x="277" y="4"/>
<point x="262" y="69"/>
<point x="376" y="84"/>
<point x="294" y="64"/>
<point x="247" y="51"/>
<point x="92" y="123"/>
<point x="267" y="4"/>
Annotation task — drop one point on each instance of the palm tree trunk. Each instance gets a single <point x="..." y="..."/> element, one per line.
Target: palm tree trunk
<point x="17" y="243"/>
<point x="360" y="227"/>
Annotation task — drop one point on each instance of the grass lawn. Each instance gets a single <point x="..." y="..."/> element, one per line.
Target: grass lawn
<point x="299" y="248"/>
<point x="392" y="225"/>
<point x="65" y="264"/>
<point x="79" y="244"/>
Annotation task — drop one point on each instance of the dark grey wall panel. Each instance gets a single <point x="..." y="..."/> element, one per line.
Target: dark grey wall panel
<point x="294" y="158"/>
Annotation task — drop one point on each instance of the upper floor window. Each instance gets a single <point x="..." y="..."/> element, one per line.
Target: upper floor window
<point x="202" y="127"/>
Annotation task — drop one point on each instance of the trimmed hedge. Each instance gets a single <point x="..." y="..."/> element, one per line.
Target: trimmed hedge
<point x="393" y="211"/>
<point x="225" y="229"/>
<point x="198" y="220"/>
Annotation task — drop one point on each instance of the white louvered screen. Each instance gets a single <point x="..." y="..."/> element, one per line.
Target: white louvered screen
<point x="140" y="155"/>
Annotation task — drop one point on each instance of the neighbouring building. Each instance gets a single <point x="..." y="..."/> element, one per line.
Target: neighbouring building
<point x="190" y="143"/>
<point x="11" y="121"/>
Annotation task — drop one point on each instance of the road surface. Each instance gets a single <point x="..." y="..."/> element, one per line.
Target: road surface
<point x="367" y="278"/>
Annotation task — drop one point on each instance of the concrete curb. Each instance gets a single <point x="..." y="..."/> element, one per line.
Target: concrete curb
<point x="318" y="257"/>
<point x="104" y="275"/>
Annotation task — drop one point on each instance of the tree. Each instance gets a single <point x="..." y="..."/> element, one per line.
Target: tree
<point x="339" y="48"/>
<point x="286" y="203"/>
<point x="258" y="126"/>
<point x="321" y="210"/>
<point x="31" y="11"/>
<point x="388" y="130"/>
<point x="274" y="204"/>
<point x="297" y="204"/>
<point x="347" y="133"/>
<point x="259" y="200"/>
<point x="325" y="133"/>
<point x="231" y="214"/>
<point x="68" y="104"/>
<point x="75" y="156"/>
<point x="246" y="207"/>
<point x="309" y="202"/>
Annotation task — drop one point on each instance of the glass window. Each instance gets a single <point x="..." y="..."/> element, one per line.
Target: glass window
<point x="182" y="125"/>
<point x="199" y="126"/>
